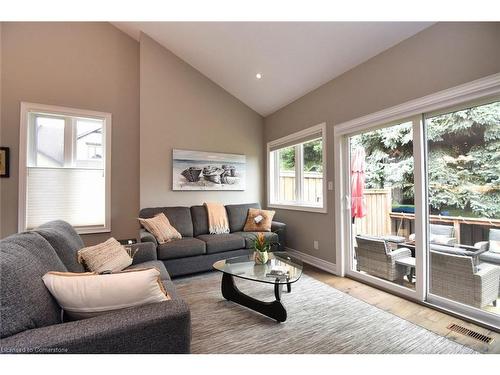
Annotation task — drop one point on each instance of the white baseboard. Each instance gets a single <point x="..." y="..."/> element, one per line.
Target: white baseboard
<point x="314" y="261"/>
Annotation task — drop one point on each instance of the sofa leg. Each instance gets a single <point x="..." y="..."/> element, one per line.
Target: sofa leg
<point x="495" y="303"/>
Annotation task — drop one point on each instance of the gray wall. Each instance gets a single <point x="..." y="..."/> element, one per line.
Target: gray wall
<point x="440" y="57"/>
<point x="181" y="108"/>
<point x="89" y="65"/>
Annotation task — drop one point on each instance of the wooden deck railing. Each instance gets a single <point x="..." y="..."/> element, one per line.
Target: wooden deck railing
<point x="457" y="222"/>
<point x="380" y="220"/>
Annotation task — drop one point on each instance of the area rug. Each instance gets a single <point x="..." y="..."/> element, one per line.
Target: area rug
<point x="321" y="319"/>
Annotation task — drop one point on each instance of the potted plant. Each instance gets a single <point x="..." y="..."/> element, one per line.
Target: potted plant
<point x="261" y="246"/>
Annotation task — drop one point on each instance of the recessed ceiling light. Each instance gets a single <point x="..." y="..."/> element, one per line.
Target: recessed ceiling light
<point x="258" y="76"/>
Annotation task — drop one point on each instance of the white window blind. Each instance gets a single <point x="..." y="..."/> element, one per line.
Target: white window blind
<point x="64" y="167"/>
<point x="73" y="195"/>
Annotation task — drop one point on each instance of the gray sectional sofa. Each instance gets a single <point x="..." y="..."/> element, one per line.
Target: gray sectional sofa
<point x="32" y="321"/>
<point x="198" y="250"/>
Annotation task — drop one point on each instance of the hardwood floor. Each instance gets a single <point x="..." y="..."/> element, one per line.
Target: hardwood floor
<point x="423" y="316"/>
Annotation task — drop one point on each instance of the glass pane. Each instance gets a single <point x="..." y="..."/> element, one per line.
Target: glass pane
<point x="382" y="204"/>
<point x="463" y="167"/>
<point x="313" y="172"/>
<point x="49" y="142"/>
<point x="286" y="192"/>
<point x="89" y="143"/>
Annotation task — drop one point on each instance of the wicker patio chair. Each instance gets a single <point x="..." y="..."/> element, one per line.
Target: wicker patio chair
<point x="374" y="257"/>
<point x="455" y="277"/>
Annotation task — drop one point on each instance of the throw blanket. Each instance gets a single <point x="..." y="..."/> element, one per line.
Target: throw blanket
<point x="217" y="218"/>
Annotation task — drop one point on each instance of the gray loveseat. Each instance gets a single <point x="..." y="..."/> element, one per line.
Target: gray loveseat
<point x="32" y="321"/>
<point x="198" y="250"/>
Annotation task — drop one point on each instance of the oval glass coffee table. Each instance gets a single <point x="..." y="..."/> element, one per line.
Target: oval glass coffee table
<point x="244" y="267"/>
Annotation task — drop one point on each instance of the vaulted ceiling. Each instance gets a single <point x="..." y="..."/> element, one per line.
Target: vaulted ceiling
<point x="293" y="58"/>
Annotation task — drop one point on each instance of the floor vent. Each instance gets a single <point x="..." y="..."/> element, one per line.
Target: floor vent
<point x="467" y="332"/>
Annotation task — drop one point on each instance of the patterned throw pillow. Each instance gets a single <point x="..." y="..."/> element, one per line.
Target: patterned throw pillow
<point x="160" y="227"/>
<point x="258" y="220"/>
<point x="84" y="295"/>
<point x="106" y="256"/>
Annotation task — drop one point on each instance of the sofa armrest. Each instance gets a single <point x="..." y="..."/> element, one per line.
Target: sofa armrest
<point x="486" y="283"/>
<point x="163" y="327"/>
<point x="145" y="236"/>
<point x="482" y="245"/>
<point x="146" y="251"/>
<point x="280" y="230"/>
<point x="400" y="253"/>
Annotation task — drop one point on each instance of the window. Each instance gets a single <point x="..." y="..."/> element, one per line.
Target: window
<point x="296" y="165"/>
<point x="64" y="167"/>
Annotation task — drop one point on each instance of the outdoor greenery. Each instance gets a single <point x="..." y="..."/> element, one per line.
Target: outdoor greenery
<point x="313" y="161"/>
<point x="463" y="161"/>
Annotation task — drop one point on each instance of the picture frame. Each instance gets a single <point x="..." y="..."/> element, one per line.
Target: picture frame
<point x="4" y="162"/>
<point x="201" y="170"/>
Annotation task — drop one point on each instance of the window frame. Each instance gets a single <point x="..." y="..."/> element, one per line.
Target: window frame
<point x="273" y="170"/>
<point x="26" y="109"/>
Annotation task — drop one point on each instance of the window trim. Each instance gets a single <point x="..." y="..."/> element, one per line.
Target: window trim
<point x="272" y="183"/>
<point x="26" y="108"/>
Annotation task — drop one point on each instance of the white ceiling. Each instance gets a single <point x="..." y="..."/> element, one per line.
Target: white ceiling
<point x="293" y="57"/>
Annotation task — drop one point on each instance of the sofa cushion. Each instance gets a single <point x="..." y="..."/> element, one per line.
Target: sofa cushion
<point x="250" y="236"/>
<point x="490" y="257"/>
<point x="443" y="230"/>
<point x="24" y="300"/>
<point x="218" y="243"/>
<point x="152" y="264"/>
<point x="185" y="247"/>
<point x="65" y="241"/>
<point x="495" y="246"/>
<point x="237" y="215"/>
<point x="179" y="217"/>
<point x="200" y="220"/>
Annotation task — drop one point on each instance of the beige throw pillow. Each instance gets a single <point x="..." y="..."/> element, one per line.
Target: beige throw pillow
<point x="160" y="227"/>
<point x="84" y="295"/>
<point x="106" y="256"/>
<point x="258" y="220"/>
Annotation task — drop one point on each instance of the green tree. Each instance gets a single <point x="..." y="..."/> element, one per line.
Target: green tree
<point x="313" y="157"/>
<point x="463" y="160"/>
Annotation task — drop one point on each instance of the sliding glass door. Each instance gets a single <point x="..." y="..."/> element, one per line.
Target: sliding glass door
<point x="381" y="195"/>
<point x="463" y="179"/>
<point x="419" y="207"/>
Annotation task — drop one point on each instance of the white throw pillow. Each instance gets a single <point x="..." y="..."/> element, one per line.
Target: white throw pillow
<point x="106" y="256"/>
<point x="494" y="246"/>
<point x="84" y="295"/>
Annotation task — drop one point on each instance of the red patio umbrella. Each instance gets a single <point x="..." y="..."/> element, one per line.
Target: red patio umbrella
<point x="358" y="206"/>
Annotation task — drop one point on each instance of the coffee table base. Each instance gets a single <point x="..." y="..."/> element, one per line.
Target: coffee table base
<point x="274" y="310"/>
